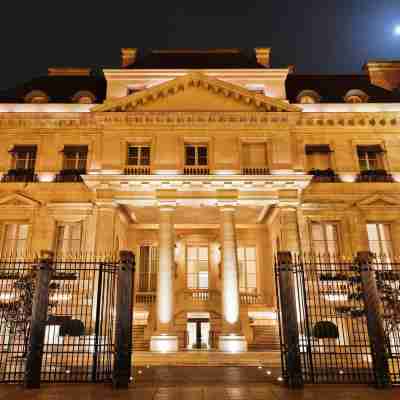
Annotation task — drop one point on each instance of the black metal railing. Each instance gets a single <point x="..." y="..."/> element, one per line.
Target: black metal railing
<point x="20" y="175"/>
<point x="255" y="171"/>
<point x="80" y="336"/>
<point x="70" y="175"/>
<point x="378" y="175"/>
<point x="324" y="176"/>
<point x="137" y="170"/>
<point x="333" y="311"/>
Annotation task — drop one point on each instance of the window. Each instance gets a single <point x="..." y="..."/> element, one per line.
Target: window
<point x="138" y="155"/>
<point x="380" y="240"/>
<point x="370" y="157"/>
<point x="69" y="237"/>
<point x="24" y="157"/>
<point x="324" y="238"/>
<point x="197" y="267"/>
<point x="254" y="155"/>
<point x="75" y="158"/>
<point x="196" y="155"/>
<point x="15" y="239"/>
<point x="318" y="157"/>
<point x="148" y="267"/>
<point x="308" y="97"/>
<point x="247" y="269"/>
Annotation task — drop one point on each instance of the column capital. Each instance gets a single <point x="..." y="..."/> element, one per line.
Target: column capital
<point x="227" y="206"/>
<point x="167" y="206"/>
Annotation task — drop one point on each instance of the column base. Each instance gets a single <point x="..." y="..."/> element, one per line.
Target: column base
<point x="232" y="343"/>
<point x="164" y="343"/>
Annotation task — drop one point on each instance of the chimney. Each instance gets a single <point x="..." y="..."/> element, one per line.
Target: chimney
<point x="385" y="74"/>
<point x="262" y="55"/>
<point x="128" y="57"/>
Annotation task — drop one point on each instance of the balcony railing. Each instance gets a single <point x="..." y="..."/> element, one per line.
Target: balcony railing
<point x="255" y="171"/>
<point x="197" y="295"/>
<point x="70" y="175"/>
<point x="377" y="175"/>
<point x="324" y="175"/>
<point x="137" y="170"/>
<point x="20" y="175"/>
<point x="145" y="298"/>
<point x="251" y="298"/>
<point x="196" y="170"/>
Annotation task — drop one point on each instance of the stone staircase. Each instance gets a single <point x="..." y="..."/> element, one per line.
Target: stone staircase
<point x="140" y="343"/>
<point x="265" y="338"/>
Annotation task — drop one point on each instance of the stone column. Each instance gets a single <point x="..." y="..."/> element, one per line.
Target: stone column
<point x="231" y="339"/>
<point x="165" y="340"/>
<point x="289" y="230"/>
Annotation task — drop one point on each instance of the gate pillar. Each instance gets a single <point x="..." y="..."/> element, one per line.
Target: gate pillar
<point x="40" y="305"/>
<point x="289" y="324"/>
<point x="376" y="330"/>
<point x="123" y="321"/>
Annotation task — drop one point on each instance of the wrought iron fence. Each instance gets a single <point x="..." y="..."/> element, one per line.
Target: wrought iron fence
<point x="334" y="342"/>
<point x="80" y="330"/>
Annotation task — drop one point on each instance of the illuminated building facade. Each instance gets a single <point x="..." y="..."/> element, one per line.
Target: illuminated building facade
<point x="204" y="164"/>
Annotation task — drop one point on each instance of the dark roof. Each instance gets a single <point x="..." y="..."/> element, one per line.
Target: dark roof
<point x="60" y="89"/>
<point x="196" y="59"/>
<point x="333" y="88"/>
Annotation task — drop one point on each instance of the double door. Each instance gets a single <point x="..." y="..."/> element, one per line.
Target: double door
<point x="198" y="330"/>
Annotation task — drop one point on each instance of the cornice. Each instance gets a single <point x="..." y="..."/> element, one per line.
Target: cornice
<point x="240" y="119"/>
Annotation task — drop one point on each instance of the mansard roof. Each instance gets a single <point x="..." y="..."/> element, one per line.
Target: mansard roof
<point x="195" y="59"/>
<point x="333" y="88"/>
<point x="259" y="102"/>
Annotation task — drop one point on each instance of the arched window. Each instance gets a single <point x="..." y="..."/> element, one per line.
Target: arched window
<point x="308" y="97"/>
<point x="356" y="96"/>
<point x="83" y="97"/>
<point x="37" y="97"/>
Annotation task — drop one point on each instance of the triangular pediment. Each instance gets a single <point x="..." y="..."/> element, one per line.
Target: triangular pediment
<point x="379" y="200"/>
<point x="196" y="92"/>
<point x="18" y="199"/>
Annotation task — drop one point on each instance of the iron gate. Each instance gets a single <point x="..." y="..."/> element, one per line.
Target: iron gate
<point x="333" y="337"/>
<point x="79" y="334"/>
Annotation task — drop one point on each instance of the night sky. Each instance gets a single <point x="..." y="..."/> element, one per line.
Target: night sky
<point x="331" y="36"/>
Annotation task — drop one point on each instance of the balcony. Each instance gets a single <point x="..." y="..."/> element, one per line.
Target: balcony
<point x="20" y="175"/>
<point x="255" y="171"/>
<point x="377" y="175"/>
<point x="70" y="175"/>
<point x="137" y="170"/>
<point x="196" y="170"/>
<point x="251" y="298"/>
<point x="145" y="298"/>
<point x="324" y="176"/>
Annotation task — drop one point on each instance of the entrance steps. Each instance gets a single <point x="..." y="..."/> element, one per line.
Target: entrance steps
<point x="139" y="341"/>
<point x="208" y="358"/>
<point x="266" y="338"/>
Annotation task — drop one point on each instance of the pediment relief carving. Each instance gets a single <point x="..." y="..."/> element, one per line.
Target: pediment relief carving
<point x="19" y="200"/>
<point x="196" y="92"/>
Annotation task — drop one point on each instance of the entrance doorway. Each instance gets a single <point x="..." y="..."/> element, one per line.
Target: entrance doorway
<point x="198" y="331"/>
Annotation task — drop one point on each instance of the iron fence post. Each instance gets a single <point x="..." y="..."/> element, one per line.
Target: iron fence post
<point x="375" y="325"/>
<point x="290" y="328"/>
<point x="33" y="364"/>
<point x="123" y="321"/>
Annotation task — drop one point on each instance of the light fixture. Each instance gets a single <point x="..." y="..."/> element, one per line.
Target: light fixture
<point x="397" y="30"/>
<point x="269" y="372"/>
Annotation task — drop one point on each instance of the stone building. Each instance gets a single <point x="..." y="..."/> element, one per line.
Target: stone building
<point x="204" y="164"/>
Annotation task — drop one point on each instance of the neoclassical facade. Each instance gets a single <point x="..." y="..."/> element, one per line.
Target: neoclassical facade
<point x="204" y="164"/>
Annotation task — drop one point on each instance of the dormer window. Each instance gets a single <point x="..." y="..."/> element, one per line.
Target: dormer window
<point x="83" y="97"/>
<point x="308" y="97"/>
<point x="37" y="97"/>
<point x="356" y="96"/>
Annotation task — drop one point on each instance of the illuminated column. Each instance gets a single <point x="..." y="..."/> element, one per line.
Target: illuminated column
<point x="231" y="339"/>
<point x="289" y="230"/>
<point x="165" y="340"/>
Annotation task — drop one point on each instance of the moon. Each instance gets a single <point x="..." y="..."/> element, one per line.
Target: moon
<point x="397" y="30"/>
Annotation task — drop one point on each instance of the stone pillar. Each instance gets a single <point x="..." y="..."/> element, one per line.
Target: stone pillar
<point x="289" y="230"/>
<point x="375" y="323"/>
<point x="105" y="229"/>
<point x="231" y="339"/>
<point x="165" y="340"/>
